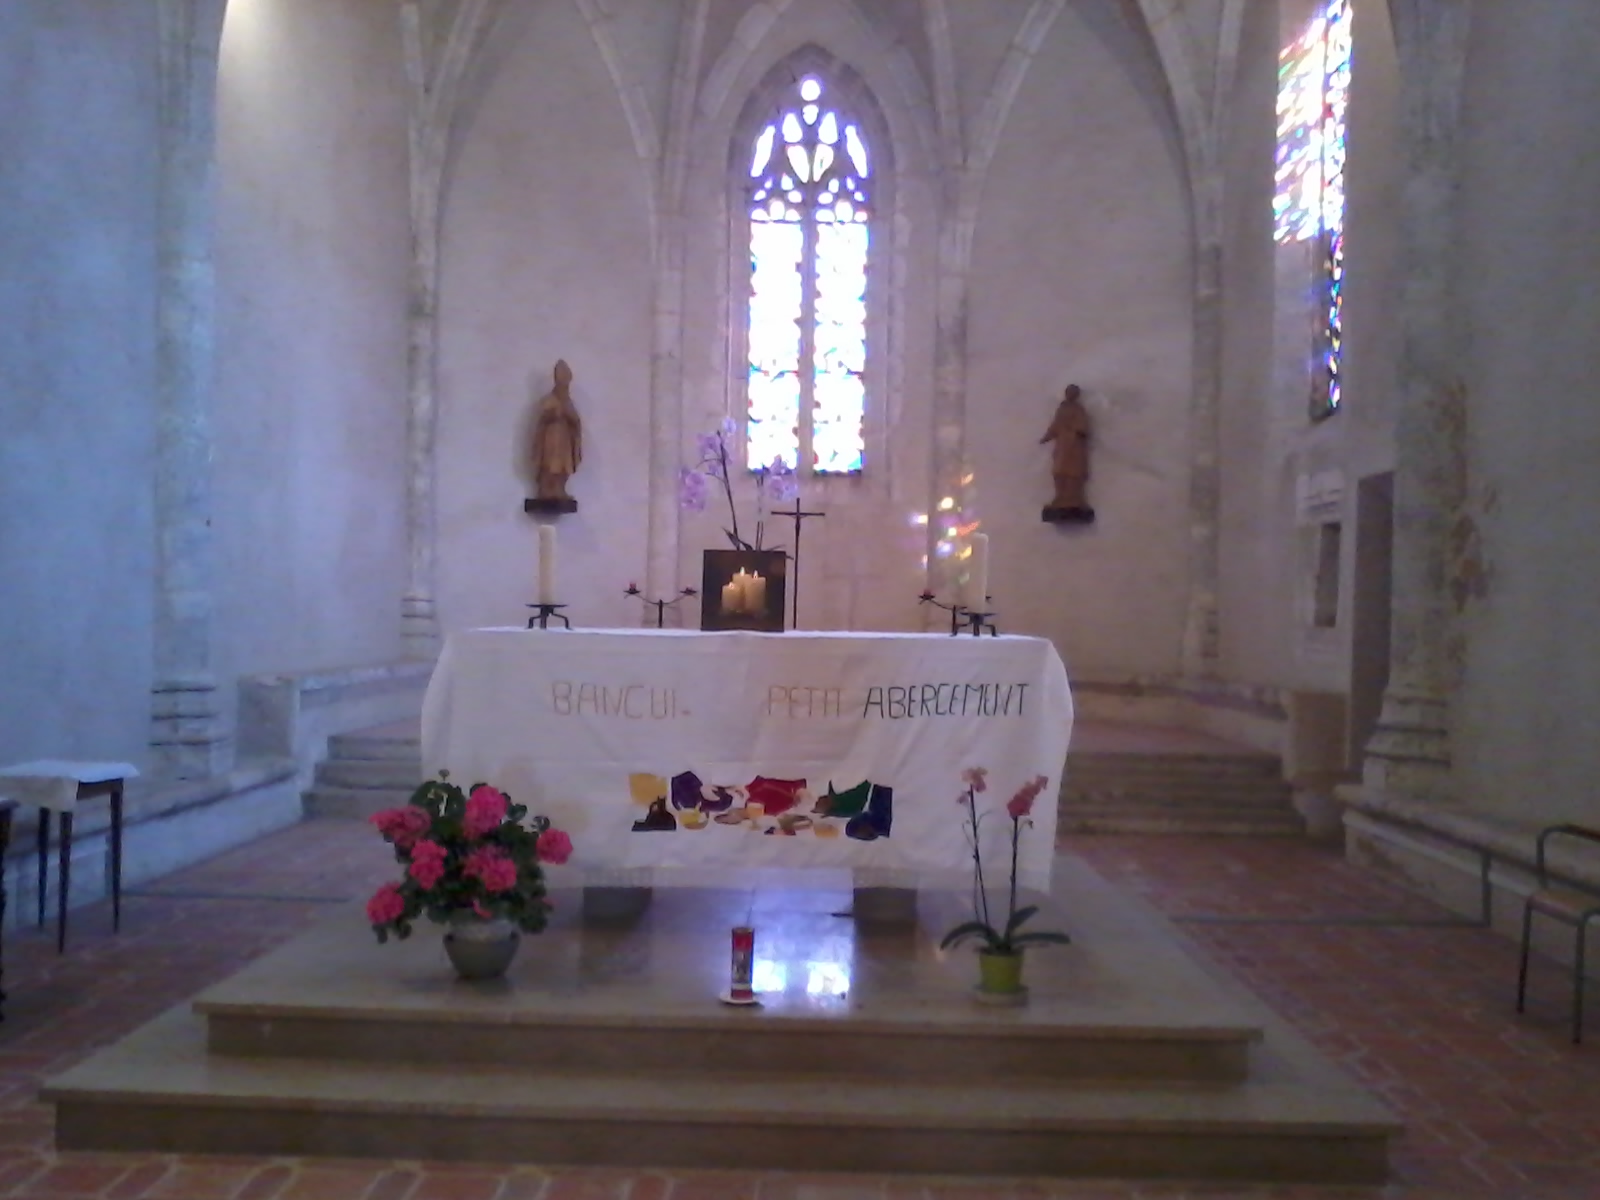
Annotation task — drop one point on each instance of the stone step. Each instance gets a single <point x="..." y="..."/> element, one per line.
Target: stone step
<point x="1217" y="822"/>
<point x="369" y="745"/>
<point x="1254" y="766"/>
<point x="1264" y="791"/>
<point x="357" y="803"/>
<point x="684" y="1043"/>
<point x="161" y="1090"/>
<point x="387" y="773"/>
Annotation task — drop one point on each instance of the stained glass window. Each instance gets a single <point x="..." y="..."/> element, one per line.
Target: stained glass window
<point x="810" y="210"/>
<point x="1313" y="97"/>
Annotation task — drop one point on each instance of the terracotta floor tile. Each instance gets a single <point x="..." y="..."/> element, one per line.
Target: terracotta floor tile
<point x="458" y="1183"/>
<point x="312" y="1181"/>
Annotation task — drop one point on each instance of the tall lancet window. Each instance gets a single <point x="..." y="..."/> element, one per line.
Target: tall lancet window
<point x="810" y="208"/>
<point x="1313" y="97"/>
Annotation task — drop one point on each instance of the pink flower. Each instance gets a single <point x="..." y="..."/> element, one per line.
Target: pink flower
<point x="491" y="867"/>
<point x="1021" y="804"/>
<point x="402" y="826"/>
<point x="554" y="846"/>
<point x="386" y="905"/>
<point x="486" y="809"/>
<point x="973" y="777"/>
<point x="426" y="871"/>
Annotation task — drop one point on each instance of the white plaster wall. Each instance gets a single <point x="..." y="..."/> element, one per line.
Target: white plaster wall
<point x="861" y="565"/>
<point x="312" y="254"/>
<point x="1530" y="282"/>
<point x="1082" y="272"/>
<point x="545" y="254"/>
<point x="77" y="318"/>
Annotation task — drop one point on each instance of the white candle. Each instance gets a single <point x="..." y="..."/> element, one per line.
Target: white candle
<point x="977" y="590"/>
<point x="732" y="598"/>
<point x="547" y="564"/>
<point x="755" y="595"/>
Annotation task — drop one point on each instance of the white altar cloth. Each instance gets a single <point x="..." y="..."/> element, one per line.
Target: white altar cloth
<point x="691" y="753"/>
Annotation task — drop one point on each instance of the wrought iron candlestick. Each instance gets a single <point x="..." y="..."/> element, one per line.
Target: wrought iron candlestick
<point x="977" y="622"/>
<point x="661" y="606"/>
<point x="543" y="614"/>
<point x="798" y="516"/>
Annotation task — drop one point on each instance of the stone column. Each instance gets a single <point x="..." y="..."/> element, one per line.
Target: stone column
<point x="1200" y="93"/>
<point x="1409" y="752"/>
<point x="440" y="47"/>
<point x="1199" y="650"/>
<point x="419" y="623"/>
<point x="189" y="736"/>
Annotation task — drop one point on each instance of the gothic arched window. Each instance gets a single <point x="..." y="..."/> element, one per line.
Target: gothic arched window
<point x="1313" y="96"/>
<point x="809" y="201"/>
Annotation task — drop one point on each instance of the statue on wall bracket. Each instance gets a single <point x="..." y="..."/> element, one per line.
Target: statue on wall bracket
<point x="557" y="449"/>
<point x="1069" y="430"/>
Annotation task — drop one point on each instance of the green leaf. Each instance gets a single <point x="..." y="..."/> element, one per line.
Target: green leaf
<point x="969" y="929"/>
<point x="1041" y="938"/>
<point x="1018" y="917"/>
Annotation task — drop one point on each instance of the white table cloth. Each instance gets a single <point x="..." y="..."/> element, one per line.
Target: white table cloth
<point x="691" y="753"/>
<point x="53" y="782"/>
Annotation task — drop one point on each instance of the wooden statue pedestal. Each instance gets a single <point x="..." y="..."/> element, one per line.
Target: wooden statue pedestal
<point x="552" y="504"/>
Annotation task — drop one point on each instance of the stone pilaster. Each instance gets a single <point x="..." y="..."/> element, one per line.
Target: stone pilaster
<point x="1409" y="752"/>
<point x="189" y="736"/>
<point x="440" y="46"/>
<point x="1199" y="111"/>
<point x="1200" y="627"/>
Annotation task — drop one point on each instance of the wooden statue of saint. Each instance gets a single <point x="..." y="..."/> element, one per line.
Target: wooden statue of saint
<point x="557" y="446"/>
<point x="1069" y="430"/>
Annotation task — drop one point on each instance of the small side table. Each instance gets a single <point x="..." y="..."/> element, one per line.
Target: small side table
<point x="7" y="807"/>
<point x="57" y="785"/>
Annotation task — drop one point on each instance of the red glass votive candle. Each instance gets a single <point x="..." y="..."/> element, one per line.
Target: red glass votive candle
<point x="744" y="963"/>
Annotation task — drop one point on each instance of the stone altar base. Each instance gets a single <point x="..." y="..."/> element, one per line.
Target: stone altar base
<point x="606" y="1045"/>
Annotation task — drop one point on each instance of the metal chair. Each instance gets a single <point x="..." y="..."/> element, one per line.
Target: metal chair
<point x="1566" y="904"/>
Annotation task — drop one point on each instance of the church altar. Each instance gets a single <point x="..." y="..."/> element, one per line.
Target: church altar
<point x="674" y="756"/>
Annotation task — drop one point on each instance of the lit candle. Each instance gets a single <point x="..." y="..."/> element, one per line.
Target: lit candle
<point x="732" y="597"/>
<point x="547" y="564"/>
<point x="755" y="595"/>
<point x="977" y="590"/>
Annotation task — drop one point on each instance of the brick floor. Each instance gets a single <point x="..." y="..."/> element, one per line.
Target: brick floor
<point x="1414" y="1004"/>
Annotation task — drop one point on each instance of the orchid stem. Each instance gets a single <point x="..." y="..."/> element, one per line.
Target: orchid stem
<point x="1011" y="910"/>
<point x="981" y="910"/>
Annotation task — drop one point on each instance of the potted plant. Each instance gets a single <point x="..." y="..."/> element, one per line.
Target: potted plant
<point x="1000" y="956"/>
<point x="743" y="587"/>
<point x="474" y="861"/>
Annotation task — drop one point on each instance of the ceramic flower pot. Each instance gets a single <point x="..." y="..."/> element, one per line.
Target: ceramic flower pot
<point x="1000" y="977"/>
<point x="480" y="948"/>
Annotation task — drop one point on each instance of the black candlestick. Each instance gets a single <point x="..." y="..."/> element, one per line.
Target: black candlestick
<point x="960" y="614"/>
<point x="660" y="606"/>
<point x="545" y="613"/>
<point x="979" y="622"/>
<point x="798" y="516"/>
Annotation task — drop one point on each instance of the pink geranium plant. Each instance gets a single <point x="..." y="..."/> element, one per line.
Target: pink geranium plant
<point x="472" y="851"/>
<point x="1008" y="938"/>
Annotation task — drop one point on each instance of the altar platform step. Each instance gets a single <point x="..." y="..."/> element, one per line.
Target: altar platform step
<point x="1131" y="779"/>
<point x="189" y="1101"/>
<point x="606" y="1044"/>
